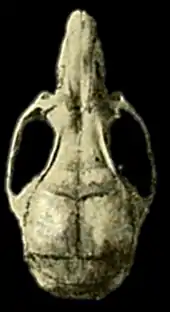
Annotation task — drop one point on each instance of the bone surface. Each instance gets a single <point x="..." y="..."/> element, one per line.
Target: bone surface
<point x="79" y="221"/>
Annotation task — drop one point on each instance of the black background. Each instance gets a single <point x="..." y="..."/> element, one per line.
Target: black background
<point x="30" y="40"/>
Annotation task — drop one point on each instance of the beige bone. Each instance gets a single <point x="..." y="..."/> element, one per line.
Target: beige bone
<point x="77" y="210"/>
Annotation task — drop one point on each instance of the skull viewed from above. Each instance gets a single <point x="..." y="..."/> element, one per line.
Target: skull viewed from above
<point x="79" y="220"/>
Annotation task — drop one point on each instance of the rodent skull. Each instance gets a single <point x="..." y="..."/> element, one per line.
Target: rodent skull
<point x="79" y="221"/>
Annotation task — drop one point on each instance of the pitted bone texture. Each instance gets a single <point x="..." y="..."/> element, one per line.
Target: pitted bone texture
<point x="79" y="219"/>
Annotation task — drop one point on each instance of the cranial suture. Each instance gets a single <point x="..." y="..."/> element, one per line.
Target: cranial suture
<point x="79" y="221"/>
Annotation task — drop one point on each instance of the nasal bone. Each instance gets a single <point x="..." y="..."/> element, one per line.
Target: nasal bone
<point x="73" y="39"/>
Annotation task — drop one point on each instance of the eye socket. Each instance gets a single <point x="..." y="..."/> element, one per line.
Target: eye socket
<point x="32" y="153"/>
<point x="128" y="151"/>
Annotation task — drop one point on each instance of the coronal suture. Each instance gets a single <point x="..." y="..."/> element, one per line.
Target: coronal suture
<point x="79" y="220"/>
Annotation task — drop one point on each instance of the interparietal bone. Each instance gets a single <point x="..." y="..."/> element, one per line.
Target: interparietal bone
<point x="79" y="221"/>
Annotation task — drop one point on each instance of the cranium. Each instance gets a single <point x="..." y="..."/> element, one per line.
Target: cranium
<point x="79" y="221"/>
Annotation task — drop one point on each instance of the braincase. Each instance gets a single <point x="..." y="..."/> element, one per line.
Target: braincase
<point x="33" y="147"/>
<point x="129" y="153"/>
